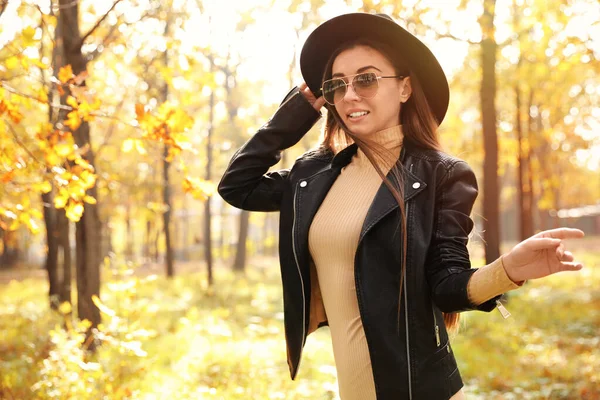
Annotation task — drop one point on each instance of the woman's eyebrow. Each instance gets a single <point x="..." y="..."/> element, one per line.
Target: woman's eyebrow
<point x="358" y="71"/>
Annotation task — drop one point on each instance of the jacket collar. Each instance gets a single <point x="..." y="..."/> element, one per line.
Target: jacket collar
<point x="311" y="191"/>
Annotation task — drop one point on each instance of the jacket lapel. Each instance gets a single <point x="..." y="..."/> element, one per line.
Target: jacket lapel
<point x="309" y="193"/>
<point x="384" y="201"/>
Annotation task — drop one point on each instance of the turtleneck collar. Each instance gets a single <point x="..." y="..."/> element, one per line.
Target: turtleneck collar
<point x="389" y="139"/>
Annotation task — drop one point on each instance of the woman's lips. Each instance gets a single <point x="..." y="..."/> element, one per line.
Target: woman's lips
<point x="357" y="116"/>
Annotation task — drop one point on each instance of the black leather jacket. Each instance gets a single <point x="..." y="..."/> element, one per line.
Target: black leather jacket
<point x="410" y="353"/>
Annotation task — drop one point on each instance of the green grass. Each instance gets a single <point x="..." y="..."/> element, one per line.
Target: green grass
<point x="178" y="340"/>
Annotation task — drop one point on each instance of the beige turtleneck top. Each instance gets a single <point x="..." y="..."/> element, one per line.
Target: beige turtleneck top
<point x="333" y="239"/>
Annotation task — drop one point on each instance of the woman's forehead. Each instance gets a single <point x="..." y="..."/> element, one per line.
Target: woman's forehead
<point x="356" y="59"/>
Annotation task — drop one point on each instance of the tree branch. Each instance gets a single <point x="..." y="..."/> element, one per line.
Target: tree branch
<point x="110" y="131"/>
<point x="92" y="56"/>
<point x="451" y="36"/>
<point x="3" y="4"/>
<point x="98" y="23"/>
<point x="20" y="143"/>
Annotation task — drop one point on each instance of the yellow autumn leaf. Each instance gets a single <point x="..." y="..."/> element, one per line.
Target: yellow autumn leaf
<point x="44" y="187"/>
<point x="65" y="74"/>
<point x="90" y="200"/>
<point x="15" y="115"/>
<point x="127" y="145"/>
<point x="199" y="188"/>
<point x="63" y="149"/>
<point x="72" y="101"/>
<point x="32" y="225"/>
<point x="25" y="63"/>
<point x="88" y="178"/>
<point x="140" y="111"/>
<point x="65" y="308"/>
<point x="28" y="36"/>
<point x="53" y="159"/>
<point x="103" y="308"/>
<point x="60" y="201"/>
<point x="15" y="224"/>
<point x="35" y="213"/>
<point x="73" y="121"/>
<point x="12" y="62"/>
<point x="83" y="163"/>
<point x="38" y="63"/>
<point x="139" y="146"/>
<point x="74" y="211"/>
<point x="42" y="95"/>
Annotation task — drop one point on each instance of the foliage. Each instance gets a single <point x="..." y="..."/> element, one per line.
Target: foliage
<point x="165" y="337"/>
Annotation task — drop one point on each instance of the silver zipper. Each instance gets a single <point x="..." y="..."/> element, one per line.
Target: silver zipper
<point x="299" y="274"/>
<point x="505" y="313"/>
<point x="407" y="340"/>
<point x="406" y="313"/>
<point x="437" y="328"/>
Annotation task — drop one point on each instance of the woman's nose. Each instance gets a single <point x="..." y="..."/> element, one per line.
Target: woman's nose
<point x="350" y="94"/>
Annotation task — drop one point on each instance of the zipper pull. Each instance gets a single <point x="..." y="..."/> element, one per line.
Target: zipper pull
<point x="505" y="313"/>
<point x="437" y="335"/>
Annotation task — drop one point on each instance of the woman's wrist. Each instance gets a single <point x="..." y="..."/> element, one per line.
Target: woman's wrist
<point x="508" y="272"/>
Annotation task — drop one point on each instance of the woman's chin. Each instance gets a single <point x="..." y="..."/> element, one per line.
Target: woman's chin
<point x="358" y="128"/>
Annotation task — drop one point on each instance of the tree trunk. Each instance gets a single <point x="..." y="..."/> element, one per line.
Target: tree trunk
<point x="147" y="239"/>
<point x="167" y="215"/>
<point x="52" y="242"/>
<point x="166" y="166"/>
<point x="10" y="254"/>
<point x="490" y="140"/>
<point x="239" y="264"/>
<point x="129" y="232"/>
<point x="87" y="258"/>
<point x="207" y="216"/>
<point x="63" y="227"/>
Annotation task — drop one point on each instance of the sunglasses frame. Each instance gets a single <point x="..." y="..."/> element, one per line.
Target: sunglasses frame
<point x="351" y="83"/>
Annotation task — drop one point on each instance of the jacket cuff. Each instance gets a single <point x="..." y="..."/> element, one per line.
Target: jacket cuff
<point x="490" y="281"/>
<point x="294" y="117"/>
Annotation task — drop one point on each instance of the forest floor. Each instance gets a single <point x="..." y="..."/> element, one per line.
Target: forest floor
<point x="165" y="339"/>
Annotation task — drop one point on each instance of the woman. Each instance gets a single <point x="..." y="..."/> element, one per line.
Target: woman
<point x="374" y="223"/>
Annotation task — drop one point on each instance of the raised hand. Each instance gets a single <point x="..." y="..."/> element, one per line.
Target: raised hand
<point x="316" y="103"/>
<point x="541" y="255"/>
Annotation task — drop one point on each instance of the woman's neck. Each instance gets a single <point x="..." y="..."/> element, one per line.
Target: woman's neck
<point x="385" y="145"/>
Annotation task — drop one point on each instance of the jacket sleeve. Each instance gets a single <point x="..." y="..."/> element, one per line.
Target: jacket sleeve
<point x="449" y="266"/>
<point x="246" y="184"/>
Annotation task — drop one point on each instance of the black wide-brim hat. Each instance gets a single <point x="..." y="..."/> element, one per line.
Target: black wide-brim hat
<point x="330" y="35"/>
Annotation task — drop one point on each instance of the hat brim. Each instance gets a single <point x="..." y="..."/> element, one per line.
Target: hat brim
<point x="327" y="37"/>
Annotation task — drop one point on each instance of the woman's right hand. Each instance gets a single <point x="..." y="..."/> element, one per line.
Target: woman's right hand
<point x="306" y="92"/>
<point x="541" y="255"/>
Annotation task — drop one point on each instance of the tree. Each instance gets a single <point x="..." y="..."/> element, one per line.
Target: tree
<point x="491" y="210"/>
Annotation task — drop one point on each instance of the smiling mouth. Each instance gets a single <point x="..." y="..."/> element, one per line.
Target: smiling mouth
<point x="357" y="114"/>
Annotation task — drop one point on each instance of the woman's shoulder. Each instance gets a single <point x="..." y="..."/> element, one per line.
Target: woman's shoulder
<point x="318" y="154"/>
<point x="433" y="155"/>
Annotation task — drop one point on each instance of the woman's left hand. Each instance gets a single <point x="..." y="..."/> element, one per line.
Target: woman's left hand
<point x="541" y="255"/>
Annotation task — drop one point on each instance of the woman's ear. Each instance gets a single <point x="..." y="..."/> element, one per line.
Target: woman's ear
<point x="406" y="90"/>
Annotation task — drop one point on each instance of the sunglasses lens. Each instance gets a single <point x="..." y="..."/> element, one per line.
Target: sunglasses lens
<point x="334" y="90"/>
<point x="365" y="84"/>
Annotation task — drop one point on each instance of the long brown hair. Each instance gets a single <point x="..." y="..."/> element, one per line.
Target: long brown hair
<point x="419" y="127"/>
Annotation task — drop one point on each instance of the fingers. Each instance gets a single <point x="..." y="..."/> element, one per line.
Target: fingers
<point x="560" y="251"/>
<point x="543" y="243"/>
<point x="320" y="102"/>
<point x="571" y="266"/>
<point x="567" y="256"/>
<point x="561" y="233"/>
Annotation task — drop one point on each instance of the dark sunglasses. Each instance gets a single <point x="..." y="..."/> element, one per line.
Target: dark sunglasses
<point x="365" y="85"/>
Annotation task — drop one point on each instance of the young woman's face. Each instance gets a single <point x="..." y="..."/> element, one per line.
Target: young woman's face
<point x="361" y="115"/>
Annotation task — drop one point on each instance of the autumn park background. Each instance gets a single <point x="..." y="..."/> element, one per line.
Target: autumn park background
<point x="123" y="275"/>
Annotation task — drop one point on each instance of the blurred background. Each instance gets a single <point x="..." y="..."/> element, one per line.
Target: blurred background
<point x="123" y="275"/>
